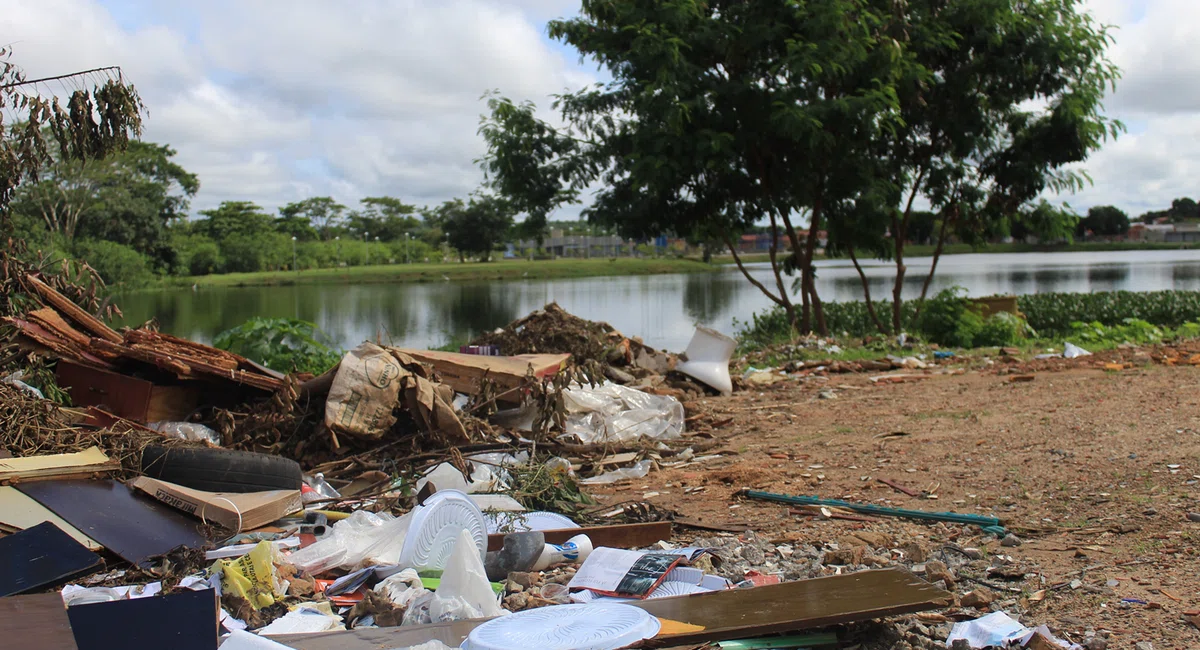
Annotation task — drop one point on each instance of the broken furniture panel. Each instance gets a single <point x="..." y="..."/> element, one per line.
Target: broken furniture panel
<point x="40" y="557"/>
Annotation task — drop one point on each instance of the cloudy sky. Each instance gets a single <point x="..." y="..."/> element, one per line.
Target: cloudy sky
<point x="277" y="100"/>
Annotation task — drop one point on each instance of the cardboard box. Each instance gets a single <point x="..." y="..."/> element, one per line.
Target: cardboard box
<point x="235" y="511"/>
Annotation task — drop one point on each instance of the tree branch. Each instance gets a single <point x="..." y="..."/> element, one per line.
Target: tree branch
<point x="738" y="260"/>
<point x="937" y="254"/>
<point x="61" y="76"/>
<point x="867" y="293"/>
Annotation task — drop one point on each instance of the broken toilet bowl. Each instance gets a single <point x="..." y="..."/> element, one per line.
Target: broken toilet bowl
<point x="707" y="359"/>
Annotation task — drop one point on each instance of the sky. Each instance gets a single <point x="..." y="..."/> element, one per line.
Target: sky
<point x="273" y="101"/>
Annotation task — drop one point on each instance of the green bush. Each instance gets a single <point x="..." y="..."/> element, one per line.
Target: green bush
<point x="1000" y="330"/>
<point x="1055" y="312"/>
<point x="116" y="263"/>
<point x="950" y="319"/>
<point x="204" y="259"/>
<point x="283" y="344"/>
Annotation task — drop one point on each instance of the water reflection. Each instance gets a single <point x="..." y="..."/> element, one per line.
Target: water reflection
<point x="663" y="309"/>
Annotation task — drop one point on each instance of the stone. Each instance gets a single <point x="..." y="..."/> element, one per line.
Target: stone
<point x="1144" y="645"/>
<point x="913" y="552"/>
<point x="1149" y="512"/>
<point x="977" y="599"/>
<point x="523" y="579"/>
<point x="1010" y="541"/>
<point x="1193" y="516"/>
<point x="827" y="394"/>
<point x="619" y="376"/>
<point x="516" y="602"/>
<point x="973" y="553"/>
<point x="960" y="644"/>
<point x="873" y="539"/>
<point x="1096" y="643"/>
<point x="514" y="587"/>
<point x="936" y="570"/>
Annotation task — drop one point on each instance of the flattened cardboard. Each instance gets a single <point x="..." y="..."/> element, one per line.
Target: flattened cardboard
<point x="463" y="371"/>
<point x="42" y="556"/>
<point x="186" y="620"/>
<point x="36" y="621"/>
<point x="18" y="512"/>
<point x="132" y="525"/>
<point x="235" y="511"/>
<point x="37" y="467"/>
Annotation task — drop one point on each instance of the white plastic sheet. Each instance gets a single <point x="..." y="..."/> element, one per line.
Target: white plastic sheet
<point x="614" y="413"/>
<point x="402" y="588"/>
<point x="638" y="470"/>
<point x="363" y="537"/>
<point x="995" y="629"/>
<point x="464" y="592"/>
<point x="1070" y="351"/>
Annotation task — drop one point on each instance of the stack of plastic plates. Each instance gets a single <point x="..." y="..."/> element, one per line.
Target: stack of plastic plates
<point x="594" y="626"/>
<point x="434" y="530"/>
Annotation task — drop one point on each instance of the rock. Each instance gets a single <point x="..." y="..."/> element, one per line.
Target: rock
<point x="1149" y="512"/>
<point x="516" y="602"/>
<point x="936" y="570"/>
<point x="914" y="553"/>
<point x="960" y="644"/>
<point x="973" y="553"/>
<point x="827" y="394"/>
<point x="1144" y="645"/>
<point x="1193" y="516"/>
<point x="619" y="376"/>
<point x="523" y="579"/>
<point x="846" y="557"/>
<point x="977" y="599"/>
<point x="873" y="539"/>
<point x="753" y="554"/>
<point x="514" y="587"/>
<point x="1096" y="643"/>
<point x="1010" y="541"/>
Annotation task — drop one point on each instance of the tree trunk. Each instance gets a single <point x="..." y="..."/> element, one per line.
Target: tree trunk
<point x="900" y="236"/>
<point x="867" y="293"/>
<point x="809" y="252"/>
<point x="783" y="301"/>
<point x="937" y="254"/>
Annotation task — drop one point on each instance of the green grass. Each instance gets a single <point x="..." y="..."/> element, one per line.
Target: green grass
<point x="497" y="270"/>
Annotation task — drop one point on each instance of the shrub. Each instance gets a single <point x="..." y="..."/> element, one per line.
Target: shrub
<point x="116" y="263"/>
<point x="1000" y="330"/>
<point x="283" y="344"/>
<point x="950" y="319"/>
<point x="1055" y="312"/>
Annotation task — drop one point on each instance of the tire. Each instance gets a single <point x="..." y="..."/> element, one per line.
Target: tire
<point x="221" y="470"/>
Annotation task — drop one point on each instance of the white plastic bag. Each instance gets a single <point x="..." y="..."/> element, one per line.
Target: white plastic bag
<point x="995" y="629"/>
<point x="402" y="588"/>
<point x="614" y="413"/>
<point x="187" y="431"/>
<point x="464" y="592"/>
<point x="638" y="470"/>
<point x="360" y="537"/>
<point x="1070" y="351"/>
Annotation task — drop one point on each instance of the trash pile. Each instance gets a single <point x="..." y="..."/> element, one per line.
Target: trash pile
<point x="404" y="499"/>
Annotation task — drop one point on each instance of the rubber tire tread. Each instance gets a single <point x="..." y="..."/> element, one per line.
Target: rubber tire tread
<point x="221" y="470"/>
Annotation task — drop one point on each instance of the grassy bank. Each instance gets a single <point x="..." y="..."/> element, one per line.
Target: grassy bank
<point x="498" y="270"/>
<point x="963" y="249"/>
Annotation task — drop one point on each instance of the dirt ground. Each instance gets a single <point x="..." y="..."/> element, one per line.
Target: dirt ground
<point x="1094" y="470"/>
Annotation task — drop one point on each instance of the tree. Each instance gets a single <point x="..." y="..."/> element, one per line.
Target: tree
<point x="321" y="212"/>
<point x="385" y="217"/>
<point x="243" y="219"/>
<point x="477" y="226"/>
<point x="1184" y="209"/>
<point x="835" y="114"/>
<point x="95" y="122"/>
<point x="1104" y="221"/>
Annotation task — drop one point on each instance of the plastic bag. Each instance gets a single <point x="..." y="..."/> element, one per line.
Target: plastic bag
<point x="306" y="618"/>
<point x="995" y="629"/>
<point x="402" y="588"/>
<point x="356" y="539"/>
<point x="1070" y="351"/>
<point x="614" y="413"/>
<point x="187" y="431"/>
<point x="252" y="576"/>
<point x="638" y="470"/>
<point x="464" y="592"/>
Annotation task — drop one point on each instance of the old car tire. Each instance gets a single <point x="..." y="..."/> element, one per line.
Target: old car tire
<point x="220" y="470"/>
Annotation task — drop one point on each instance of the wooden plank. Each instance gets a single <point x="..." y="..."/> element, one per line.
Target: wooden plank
<point x="93" y="325"/>
<point x="122" y="395"/>
<point x="133" y="526"/>
<point x="40" y="467"/>
<point x="615" y="536"/>
<point x="40" y="557"/>
<point x="18" y="512"/>
<point x="36" y="621"/>
<point x="186" y="620"/>
<point x="51" y="321"/>
<point x="463" y="371"/>
<point x="795" y="606"/>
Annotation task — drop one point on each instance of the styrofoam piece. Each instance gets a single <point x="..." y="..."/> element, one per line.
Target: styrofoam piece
<point x="593" y="626"/>
<point x="707" y="361"/>
<point x="242" y="640"/>
<point x="434" y="529"/>
<point x="527" y="521"/>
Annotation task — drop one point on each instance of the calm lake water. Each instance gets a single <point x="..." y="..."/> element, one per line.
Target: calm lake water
<point x="663" y="309"/>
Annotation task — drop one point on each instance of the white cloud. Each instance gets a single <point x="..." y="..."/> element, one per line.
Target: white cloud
<point x="274" y="100"/>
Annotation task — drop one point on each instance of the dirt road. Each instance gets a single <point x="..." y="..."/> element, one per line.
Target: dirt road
<point x="1094" y="470"/>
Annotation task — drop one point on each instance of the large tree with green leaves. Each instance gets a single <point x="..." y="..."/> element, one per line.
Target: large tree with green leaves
<point x="322" y="213"/>
<point x="1104" y="221"/>
<point x="385" y="217"/>
<point x="832" y="114"/>
<point x="475" y="227"/>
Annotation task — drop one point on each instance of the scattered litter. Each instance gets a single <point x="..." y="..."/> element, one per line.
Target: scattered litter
<point x="639" y="469"/>
<point x="1072" y="351"/>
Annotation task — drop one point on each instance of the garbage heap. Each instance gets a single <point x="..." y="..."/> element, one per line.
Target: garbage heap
<point x="411" y="498"/>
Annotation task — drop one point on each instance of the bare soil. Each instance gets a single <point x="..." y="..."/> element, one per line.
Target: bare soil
<point x="1094" y="469"/>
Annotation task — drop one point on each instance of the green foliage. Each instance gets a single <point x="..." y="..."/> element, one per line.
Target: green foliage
<point x="1001" y="330"/>
<point x="478" y="226"/>
<point x="283" y="344"/>
<point x="234" y="219"/>
<point x="117" y="264"/>
<point x="950" y="319"/>
<point x="1131" y="330"/>
<point x="1055" y="312"/>
<point x="1104" y="221"/>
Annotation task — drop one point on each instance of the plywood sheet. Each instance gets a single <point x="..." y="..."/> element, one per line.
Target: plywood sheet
<point x="793" y="606"/>
<point x="18" y="512"/>
<point x="463" y="371"/>
<point x="30" y="467"/>
<point x="36" y="621"/>
<point x="133" y="526"/>
<point x="42" y="556"/>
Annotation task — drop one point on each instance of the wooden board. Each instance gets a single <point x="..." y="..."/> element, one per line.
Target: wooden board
<point x="186" y="620"/>
<point x="36" y="621"/>
<point x="93" y="325"/>
<point x="128" y="397"/>
<point x="133" y="526"/>
<point x="18" y="512"/>
<point x="794" y="606"/>
<point x="40" y="557"/>
<point x="41" y="467"/>
<point x="463" y="371"/>
<point x="615" y="536"/>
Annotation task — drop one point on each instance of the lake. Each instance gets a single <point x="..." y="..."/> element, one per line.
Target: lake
<point x="662" y="309"/>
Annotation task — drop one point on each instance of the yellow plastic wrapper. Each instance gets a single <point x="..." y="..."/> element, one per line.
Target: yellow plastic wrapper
<point x="252" y="576"/>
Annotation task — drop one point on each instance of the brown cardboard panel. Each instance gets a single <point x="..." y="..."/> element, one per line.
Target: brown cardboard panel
<point x="55" y="465"/>
<point x="36" y="621"/>
<point x="235" y="511"/>
<point x="463" y="371"/>
<point x="134" y="526"/>
<point x="794" y="606"/>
